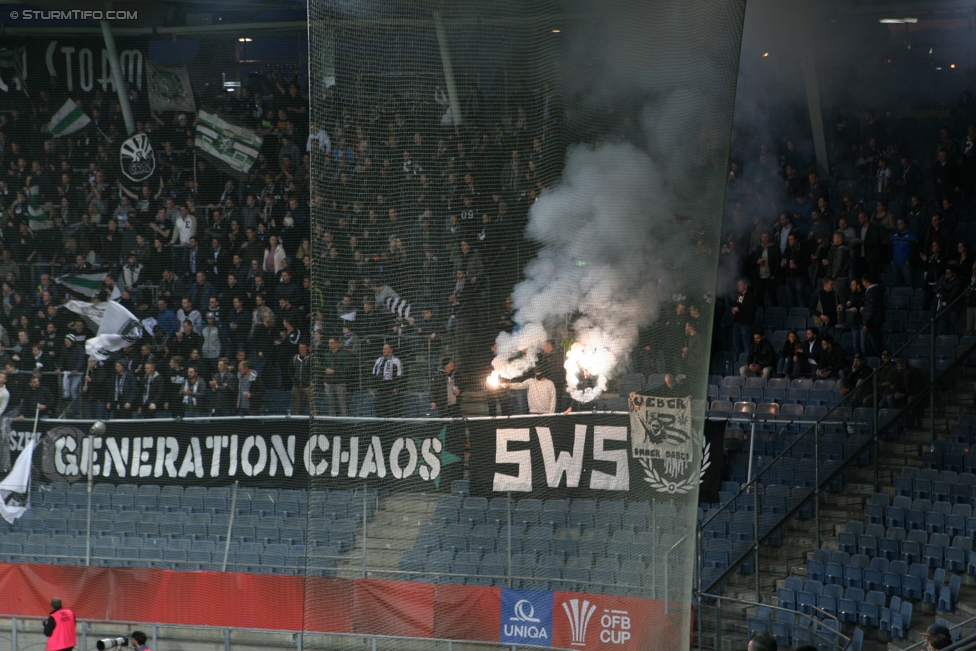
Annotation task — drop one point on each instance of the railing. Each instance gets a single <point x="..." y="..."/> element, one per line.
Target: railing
<point x="25" y="635"/>
<point x="833" y="637"/>
<point x="834" y="417"/>
<point x="952" y="627"/>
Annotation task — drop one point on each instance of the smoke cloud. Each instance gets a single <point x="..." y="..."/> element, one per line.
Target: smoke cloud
<point x="613" y="248"/>
<point x="636" y="215"/>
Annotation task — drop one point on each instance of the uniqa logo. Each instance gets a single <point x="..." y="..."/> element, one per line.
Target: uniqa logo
<point x="524" y="611"/>
<point x="579" y="615"/>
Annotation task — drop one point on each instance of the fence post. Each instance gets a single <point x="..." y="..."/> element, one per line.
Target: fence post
<point x="13" y="634"/>
<point x="874" y="430"/>
<point x="84" y="636"/>
<point x="365" y="497"/>
<point x="155" y="636"/>
<point x="226" y="639"/>
<point x="755" y="540"/>
<point x="816" y="480"/>
<point x="932" y="379"/>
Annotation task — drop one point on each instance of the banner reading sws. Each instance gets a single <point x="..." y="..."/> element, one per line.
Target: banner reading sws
<point x="278" y="454"/>
<point x="602" y="455"/>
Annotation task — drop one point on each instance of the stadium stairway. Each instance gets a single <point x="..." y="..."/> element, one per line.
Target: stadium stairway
<point x="392" y="530"/>
<point x="837" y="508"/>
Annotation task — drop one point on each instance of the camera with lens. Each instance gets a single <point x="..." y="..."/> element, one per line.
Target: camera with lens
<point x="135" y="640"/>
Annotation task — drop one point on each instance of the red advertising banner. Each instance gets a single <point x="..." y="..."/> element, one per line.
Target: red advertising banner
<point x="366" y="606"/>
<point x="595" y="622"/>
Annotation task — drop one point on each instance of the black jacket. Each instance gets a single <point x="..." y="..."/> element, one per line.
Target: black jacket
<point x="153" y="391"/>
<point x="762" y="354"/>
<point x="747" y="308"/>
<point x="873" y="312"/>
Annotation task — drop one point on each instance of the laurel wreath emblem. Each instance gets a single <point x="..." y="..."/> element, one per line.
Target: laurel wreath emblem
<point x="662" y="485"/>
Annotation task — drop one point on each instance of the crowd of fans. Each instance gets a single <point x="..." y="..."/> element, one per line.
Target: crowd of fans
<point x="408" y="212"/>
<point x="893" y="214"/>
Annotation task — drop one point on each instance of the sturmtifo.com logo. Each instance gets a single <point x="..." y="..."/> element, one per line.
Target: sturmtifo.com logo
<point x="579" y="614"/>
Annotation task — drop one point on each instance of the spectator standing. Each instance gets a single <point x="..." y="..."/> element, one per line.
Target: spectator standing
<point x="194" y="394"/>
<point x="872" y="315"/>
<point x="60" y="628"/>
<point x="153" y="391"/>
<point x="444" y="392"/>
<point x="125" y="393"/>
<point x="337" y="376"/>
<point x="744" y="317"/>
<point x="903" y="254"/>
<point x="250" y="389"/>
<point x="541" y="393"/>
<point x="224" y="387"/>
<point x="301" y="380"/>
<point x="387" y="381"/>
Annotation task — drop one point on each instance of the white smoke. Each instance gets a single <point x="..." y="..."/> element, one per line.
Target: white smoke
<point x="634" y="221"/>
<point x="613" y="248"/>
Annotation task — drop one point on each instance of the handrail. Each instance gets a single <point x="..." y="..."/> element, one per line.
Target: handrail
<point x="951" y="628"/>
<point x="271" y="631"/>
<point x="762" y="538"/>
<point x="752" y="604"/>
<point x="828" y="416"/>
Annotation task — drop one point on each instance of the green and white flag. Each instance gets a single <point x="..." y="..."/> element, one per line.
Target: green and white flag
<point x="84" y="284"/>
<point x="38" y="219"/>
<point x="67" y="120"/>
<point x="232" y="148"/>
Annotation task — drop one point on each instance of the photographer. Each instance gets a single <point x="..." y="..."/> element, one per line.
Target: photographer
<point x="138" y="641"/>
<point x="59" y="628"/>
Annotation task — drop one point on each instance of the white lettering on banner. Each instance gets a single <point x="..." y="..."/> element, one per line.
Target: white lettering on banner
<point x="130" y="61"/>
<point x="526" y="631"/>
<point x="250" y="443"/>
<point x="86" y="451"/>
<point x="140" y="456"/>
<point x="86" y="70"/>
<point x="373" y="463"/>
<point x="118" y="455"/>
<point x="167" y="452"/>
<point x="280" y="454"/>
<point x="620" y="480"/>
<point x="616" y="627"/>
<point x="398" y="446"/>
<point x="255" y="455"/>
<point x="523" y="481"/>
<point x="565" y="463"/>
<point x="313" y="467"/>
<point x="61" y="460"/>
<point x="430" y="451"/>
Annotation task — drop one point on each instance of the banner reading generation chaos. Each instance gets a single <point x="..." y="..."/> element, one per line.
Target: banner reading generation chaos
<point x="278" y="454"/>
<point x="572" y="455"/>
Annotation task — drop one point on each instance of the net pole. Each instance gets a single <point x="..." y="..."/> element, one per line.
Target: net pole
<point x="509" y="546"/>
<point x="88" y="515"/>
<point x="752" y="446"/>
<point x="452" y="95"/>
<point x="230" y="527"/>
<point x="365" y="497"/>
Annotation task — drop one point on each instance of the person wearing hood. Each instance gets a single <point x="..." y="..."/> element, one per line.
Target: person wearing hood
<point x="153" y="391"/>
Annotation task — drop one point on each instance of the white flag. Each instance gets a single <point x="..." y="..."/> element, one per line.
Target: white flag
<point x="15" y="488"/>
<point x="117" y="329"/>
